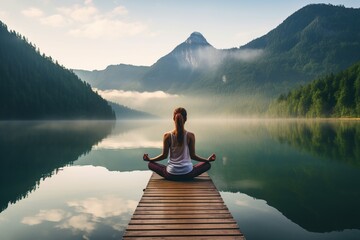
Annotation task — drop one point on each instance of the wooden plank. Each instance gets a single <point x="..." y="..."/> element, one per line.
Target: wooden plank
<point x="175" y="216"/>
<point x="183" y="201"/>
<point x="182" y="210"/>
<point x="149" y="204"/>
<point x="181" y="221"/>
<point x="218" y="237"/>
<point x="180" y="198"/>
<point x="179" y="211"/>
<point x="169" y="208"/>
<point x="206" y="232"/>
<point x="183" y="226"/>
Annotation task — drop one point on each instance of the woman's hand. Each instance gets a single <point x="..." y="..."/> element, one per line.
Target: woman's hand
<point x="212" y="158"/>
<point x="146" y="157"/>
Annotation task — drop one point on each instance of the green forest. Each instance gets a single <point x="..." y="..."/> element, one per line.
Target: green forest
<point x="331" y="96"/>
<point x="33" y="86"/>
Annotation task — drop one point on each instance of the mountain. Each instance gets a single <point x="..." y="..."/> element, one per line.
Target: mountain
<point x="316" y="40"/>
<point x="33" y="86"/>
<point x="123" y="113"/>
<point x="331" y="96"/>
<point x="181" y="66"/>
<point x="120" y="76"/>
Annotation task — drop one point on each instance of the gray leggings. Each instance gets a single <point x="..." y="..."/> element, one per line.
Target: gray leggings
<point x="196" y="171"/>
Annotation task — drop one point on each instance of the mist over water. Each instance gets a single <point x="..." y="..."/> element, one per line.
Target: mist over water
<point x="279" y="178"/>
<point x="216" y="106"/>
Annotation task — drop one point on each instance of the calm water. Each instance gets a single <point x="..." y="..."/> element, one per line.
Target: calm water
<point x="83" y="180"/>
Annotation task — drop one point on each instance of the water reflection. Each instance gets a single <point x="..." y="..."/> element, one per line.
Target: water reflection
<point x="82" y="202"/>
<point x="335" y="140"/>
<point x="307" y="186"/>
<point x="308" y="170"/>
<point x="123" y="149"/>
<point x="31" y="151"/>
<point x="279" y="178"/>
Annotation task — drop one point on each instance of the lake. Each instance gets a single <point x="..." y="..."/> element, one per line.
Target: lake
<point x="293" y="179"/>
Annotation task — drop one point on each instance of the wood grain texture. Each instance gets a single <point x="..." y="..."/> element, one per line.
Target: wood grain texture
<point x="182" y="210"/>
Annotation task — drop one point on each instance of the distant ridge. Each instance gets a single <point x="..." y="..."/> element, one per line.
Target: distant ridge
<point x="125" y="113"/>
<point x="121" y="76"/>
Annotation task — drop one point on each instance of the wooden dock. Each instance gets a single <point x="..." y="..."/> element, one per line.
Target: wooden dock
<point x="182" y="210"/>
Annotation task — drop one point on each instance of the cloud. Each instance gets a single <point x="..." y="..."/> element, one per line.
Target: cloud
<point x="135" y="99"/>
<point x="258" y="205"/>
<point x="120" y="144"/>
<point x="209" y="57"/>
<point x="80" y="13"/>
<point x="52" y="215"/>
<point x="91" y="211"/>
<point x="120" y="10"/>
<point x="157" y="103"/>
<point x="113" y="93"/>
<point x="81" y="222"/>
<point x="105" y="207"/>
<point x="247" y="55"/>
<point x="86" y="20"/>
<point x="55" y="20"/>
<point x="109" y="28"/>
<point x="85" y="215"/>
<point x="32" y="12"/>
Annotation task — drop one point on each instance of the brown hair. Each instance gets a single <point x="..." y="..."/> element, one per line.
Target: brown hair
<point x="179" y="117"/>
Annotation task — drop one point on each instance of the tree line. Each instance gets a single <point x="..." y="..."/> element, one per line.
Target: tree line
<point x="330" y="96"/>
<point x="33" y="86"/>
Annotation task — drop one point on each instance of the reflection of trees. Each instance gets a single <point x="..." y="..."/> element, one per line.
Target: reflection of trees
<point x="335" y="140"/>
<point x="31" y="151"/>
<point x="263" y="160"/>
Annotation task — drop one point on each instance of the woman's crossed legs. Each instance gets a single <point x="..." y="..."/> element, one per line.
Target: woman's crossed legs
<point x="196" y="171"/>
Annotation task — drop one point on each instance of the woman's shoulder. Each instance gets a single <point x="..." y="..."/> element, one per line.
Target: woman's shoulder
<point x="190" y="134"/>
<point x="167" y="135"/>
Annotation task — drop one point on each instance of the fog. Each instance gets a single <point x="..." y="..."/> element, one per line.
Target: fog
<point x="209" y="57"/>
<point x="162" y="104"/>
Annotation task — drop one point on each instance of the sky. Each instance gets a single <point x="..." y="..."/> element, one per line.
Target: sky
<point x="92" y="34"/>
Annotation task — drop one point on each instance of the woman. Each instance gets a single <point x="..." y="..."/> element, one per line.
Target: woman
<point x="181" y="145"/>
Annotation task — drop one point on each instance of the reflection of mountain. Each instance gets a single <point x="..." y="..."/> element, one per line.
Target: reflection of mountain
<point x="316" y="189"/>
<point x="31" y="151"/>
<point x="318" y="195"/>
<point x="338" y="141"/>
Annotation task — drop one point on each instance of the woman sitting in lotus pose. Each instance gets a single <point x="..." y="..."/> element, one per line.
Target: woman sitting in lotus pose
<point x="181" y="145"/>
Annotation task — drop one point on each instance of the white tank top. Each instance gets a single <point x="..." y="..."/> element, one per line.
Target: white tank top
<point x="179" y="162"/>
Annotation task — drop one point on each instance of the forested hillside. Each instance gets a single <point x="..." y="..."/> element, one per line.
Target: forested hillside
<point x="33" y="86"/>
<point x="331" y="96"/>
<point x="314" y="41"/>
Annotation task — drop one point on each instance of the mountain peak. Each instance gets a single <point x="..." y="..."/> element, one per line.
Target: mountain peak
<point x="196" y="38"/>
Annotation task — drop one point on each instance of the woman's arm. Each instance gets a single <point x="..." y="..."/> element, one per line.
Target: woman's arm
<point x="193" y="155"/>
<point x="165" y="151"/>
